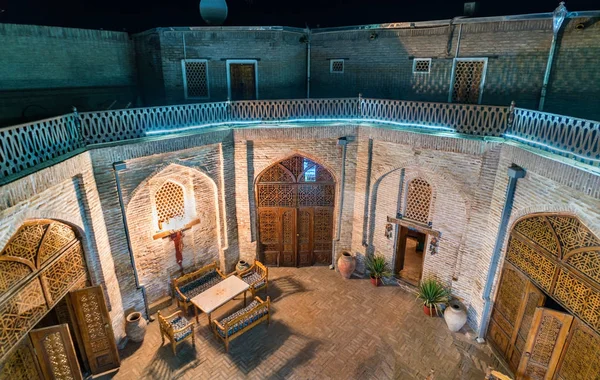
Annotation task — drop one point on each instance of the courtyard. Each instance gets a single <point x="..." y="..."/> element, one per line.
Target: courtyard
<point x="322" y="327"/>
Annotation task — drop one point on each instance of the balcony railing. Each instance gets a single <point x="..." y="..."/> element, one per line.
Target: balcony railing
<point x="27" y="146"/>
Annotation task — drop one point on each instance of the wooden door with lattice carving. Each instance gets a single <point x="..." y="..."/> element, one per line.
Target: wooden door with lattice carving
<point x="242" y="78"/>
<point x="55" y="353"/>
<point x="295" y="199"/>
<point x="545" y="342"/>
<point x="96" y="331"/>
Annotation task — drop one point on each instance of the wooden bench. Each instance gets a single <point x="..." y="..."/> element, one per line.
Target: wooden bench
<point x="194" y="283"/>
<point x="237" y="323"/>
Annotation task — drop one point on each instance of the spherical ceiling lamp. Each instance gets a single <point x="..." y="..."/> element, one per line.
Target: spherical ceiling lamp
<point x="214" y="12"/>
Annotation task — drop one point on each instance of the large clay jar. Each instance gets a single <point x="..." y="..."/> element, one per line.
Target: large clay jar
<point x="136" y="327"/>
<point x="241" y="266"/>
<point x="346" y="264"/>
<point x="455" y="316"/>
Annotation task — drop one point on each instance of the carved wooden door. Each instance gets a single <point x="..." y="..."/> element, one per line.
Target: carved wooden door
<point x="305" y="236"/>
<point x="288" y="236"/>
<point x="95" y="327"/>
<point x="544" y="345"/>
<point x="55" y="353"/>
<point x="580" y="359"/>
<point x="269" y="232"/>
<point x="323" y="235"/>
<point x="242" y="78"/>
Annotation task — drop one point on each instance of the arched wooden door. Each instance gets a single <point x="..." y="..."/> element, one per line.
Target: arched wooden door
<point x="295" y="201"/>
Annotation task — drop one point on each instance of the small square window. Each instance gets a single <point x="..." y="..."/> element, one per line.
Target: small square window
<point x="195" y="78"/>
<point x="336" y="66"/>
<point x="421" y="65"/>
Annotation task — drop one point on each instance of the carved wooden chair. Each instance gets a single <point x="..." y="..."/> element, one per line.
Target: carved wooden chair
<point x="176" y="328"/>
<point x="235" y="324"/>
<point x="490" y="374"/>
<point x="257" y="276"/>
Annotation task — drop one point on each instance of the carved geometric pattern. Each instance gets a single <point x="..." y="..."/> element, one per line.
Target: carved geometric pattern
<point x="196" y="78"/>
<point x="25" y="243"/>
<point x="20" y="313"/>
<point x="539" y="231"/>
<point x="268" y="227"/>
<point x="323" y="233"/>
<point x="90" y="306"/>
<point x="304" y="227"/>
<point x="572" y="234"/>
<point x="59" y="277"/>
<point x="288" y="227"/>
<point x="57" y="237"/>
<point x="418" y="200"/>
<point x="533" y="300"/>
<point x="534" y="264"/>
<point x="581" y="299"/>
<point x="20" y="365"/>
<point x="543" y="347"/>
<point x="582" y="356"/>
<point x="57" y="356"/>
<point x="587" y="262"/>
<point x="510" y="294"/>
<point x="316" y="173"/>
<point x="421" y="66"/>
<point x="276" y="174"/>
<point x="276" y="195"/>
<point x="467" y="81"/>
<point x="169" y="202"/>
<point x="316" y="195"/>
<point x="295" y="164"/>
<point x="12" y="272"/>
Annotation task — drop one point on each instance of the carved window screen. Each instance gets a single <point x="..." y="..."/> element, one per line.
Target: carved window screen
<point x="169" y="203"/>
<point x="336" y="66"/>
<point x="468" y="79"/>
<point x="421" y="65"/>
<point x="195" y="78"/>
<point x="418" y="200"/>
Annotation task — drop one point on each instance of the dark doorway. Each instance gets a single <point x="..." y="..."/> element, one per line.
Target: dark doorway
<point x="242" y="80"/>
<point x="410" y="247"/>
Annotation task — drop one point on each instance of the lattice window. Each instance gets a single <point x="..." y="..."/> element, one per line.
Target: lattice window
<point x="421" y="65"/>
<point x="170" y="204"/>
<point x="336" y="66"/>
<point x="418" y="200"/>
<point x="195" y="78"/>
<point x="467" y="84"/>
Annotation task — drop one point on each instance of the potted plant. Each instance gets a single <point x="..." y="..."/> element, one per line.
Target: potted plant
<point x="432" y="293"/>
<point x="378" y="268"/>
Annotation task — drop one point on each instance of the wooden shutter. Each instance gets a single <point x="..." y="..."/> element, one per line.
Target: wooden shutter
<point x="55" y="353"/>
<point x="544" y="345"/>
<point x="96" y="331"/>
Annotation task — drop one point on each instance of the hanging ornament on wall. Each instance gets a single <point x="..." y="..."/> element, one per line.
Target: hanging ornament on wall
<point x="214" y="12"/>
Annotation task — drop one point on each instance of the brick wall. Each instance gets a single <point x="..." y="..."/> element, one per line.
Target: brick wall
<point x="46" y="70"/>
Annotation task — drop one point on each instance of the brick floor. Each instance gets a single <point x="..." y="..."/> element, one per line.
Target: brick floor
<point x="323" y="327"/>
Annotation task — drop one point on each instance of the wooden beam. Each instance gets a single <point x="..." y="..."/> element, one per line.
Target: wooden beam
<point x="416" y="225"/>
<point x="164" y="234"/>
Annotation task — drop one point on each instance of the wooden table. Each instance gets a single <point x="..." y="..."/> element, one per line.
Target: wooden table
<point x="218" y="295"/>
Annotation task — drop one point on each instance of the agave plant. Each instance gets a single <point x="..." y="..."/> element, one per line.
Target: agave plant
<point x="432" y="293"/>
<point x="377" y="266"/>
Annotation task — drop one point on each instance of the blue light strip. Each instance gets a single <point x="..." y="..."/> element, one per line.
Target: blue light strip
<point x="255" y="122"/>
<point x="550" y="148"/>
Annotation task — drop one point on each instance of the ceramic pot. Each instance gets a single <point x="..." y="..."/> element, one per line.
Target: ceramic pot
<point x="375" y="281"/>
<point x="346" y="264"/>
<point x="455" y="316"/>
<point x="241" y="266"/>
<point x="136" y="327"/>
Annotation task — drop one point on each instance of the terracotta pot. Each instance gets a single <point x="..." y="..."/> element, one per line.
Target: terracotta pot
<point x="136" y="327"/>
<point x="346" y="264"/>
<point x="455" y="316"/>
<point x="429" y="311"/>
<point x="241" y="266"/>
<point x="375" y="281"/>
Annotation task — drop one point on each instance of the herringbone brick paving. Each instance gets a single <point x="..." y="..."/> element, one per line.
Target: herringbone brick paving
<point x="322" y="327"/>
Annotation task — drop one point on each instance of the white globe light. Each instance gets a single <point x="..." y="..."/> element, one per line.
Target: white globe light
<point x="214" y="12"/>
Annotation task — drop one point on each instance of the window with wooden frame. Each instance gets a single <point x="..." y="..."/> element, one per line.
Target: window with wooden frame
<point x="169" y="203"/>
<point x="336" y="66"/>
<point x="418" y="200"/>
<point x="468" y="78"/>
<point x="421" y="65"/>
<point x="195" y="78"/>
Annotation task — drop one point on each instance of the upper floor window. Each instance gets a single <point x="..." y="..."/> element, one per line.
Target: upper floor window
<point x="170" y="205"/>
<point x="418" y="200"/>
<point x="195" y="78"/>
<point x="421" y="65"/>
<point x="336" y="66"/>
<point x="468" y="78"/>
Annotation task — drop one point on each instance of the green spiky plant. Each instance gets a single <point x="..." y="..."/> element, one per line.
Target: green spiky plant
<point x="432" y="293"/>
<point x="377" y="266"/>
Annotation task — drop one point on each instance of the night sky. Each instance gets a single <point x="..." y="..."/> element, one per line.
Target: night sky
<point x="137" y="15"/>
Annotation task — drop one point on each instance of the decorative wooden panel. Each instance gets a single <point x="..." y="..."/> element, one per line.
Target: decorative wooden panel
<point x="299" y="184"/>
<point x="587" y="262"/>
<point x="169" y="202"/>
<point x="538" y="230"/>
<point x="544" y="344"/>
<point x="578" y="297"/>
<point x="20" y="364"/>
<point x="55" y="353"/>
<point x="57" y="236"/>
<point x="581" y="356"/>
<point x="11" y="272"/>
<point x="59" y="277"/>
<point x="95" y="327"/>
<point x="540" y="268"/>
<point x="572" y="234"/>
<point x="418" y="200"/>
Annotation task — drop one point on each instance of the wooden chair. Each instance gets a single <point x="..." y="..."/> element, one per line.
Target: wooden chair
<point x="194" y="283"/>
<point x="177" y="328"/>
<point x="257" y="276"/>
<point x="490" y="374"/>
<point x="234" y="325"/>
